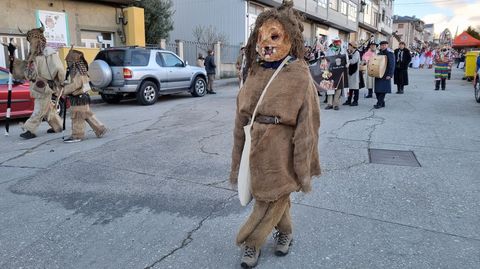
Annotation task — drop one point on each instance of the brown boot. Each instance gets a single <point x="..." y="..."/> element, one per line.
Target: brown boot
<point x="283" y="243"/>
<point x="250" y="257"/>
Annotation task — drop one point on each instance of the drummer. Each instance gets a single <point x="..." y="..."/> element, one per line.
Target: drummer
<point x="372" y="51"/>
<point x="383" y="85"/>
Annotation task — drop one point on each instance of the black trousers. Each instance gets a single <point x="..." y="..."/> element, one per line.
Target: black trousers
<point x="353" y="93"/>
<point x="380" y="98"/>
<point x="443" y="82"/>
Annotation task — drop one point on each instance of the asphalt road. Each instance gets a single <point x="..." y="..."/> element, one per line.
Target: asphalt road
<point x="153" y="193"/>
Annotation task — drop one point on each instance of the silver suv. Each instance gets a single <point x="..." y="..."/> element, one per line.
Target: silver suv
<point x="144" y="73"/>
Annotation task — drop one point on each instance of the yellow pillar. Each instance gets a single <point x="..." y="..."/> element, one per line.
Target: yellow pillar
<point x="135" y="28"/>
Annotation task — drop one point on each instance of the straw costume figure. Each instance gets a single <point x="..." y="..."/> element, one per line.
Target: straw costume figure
<point x="46" y="74"/>
<point x="284" y="153"/>
<point x="77" y="92"/>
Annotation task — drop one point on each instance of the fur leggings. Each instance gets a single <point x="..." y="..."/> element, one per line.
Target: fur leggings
<point x="265" y="217"/>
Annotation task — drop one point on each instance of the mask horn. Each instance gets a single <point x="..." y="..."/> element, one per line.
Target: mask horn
<point x="20" y="30"/>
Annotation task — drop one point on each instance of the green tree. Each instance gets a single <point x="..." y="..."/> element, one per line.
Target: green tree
<point x="158" y="19"/>
<point x="473" y="32"/>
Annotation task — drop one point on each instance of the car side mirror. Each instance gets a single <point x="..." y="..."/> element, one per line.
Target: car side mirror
<point x="186" y="63"/>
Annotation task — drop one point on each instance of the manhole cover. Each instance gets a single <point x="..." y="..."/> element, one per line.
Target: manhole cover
<point x="393" y="157"/>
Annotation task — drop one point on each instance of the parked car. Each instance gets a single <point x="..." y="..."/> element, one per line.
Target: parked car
<point x="22" y="103"/>
<point x="144" y="73"/>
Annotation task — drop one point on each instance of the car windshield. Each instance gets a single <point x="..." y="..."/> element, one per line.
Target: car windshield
<point x="3" y="77"/>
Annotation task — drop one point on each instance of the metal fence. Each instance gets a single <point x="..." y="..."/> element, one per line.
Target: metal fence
<point x="191" y="51"/>
<point x="229" y="54"/>
<point x="172" y="47"/>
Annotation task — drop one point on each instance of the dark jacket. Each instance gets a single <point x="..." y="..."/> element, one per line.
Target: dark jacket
<point x="401" y="67"/>
<point x="384" y="85"/>
<point x="210" y="64"/>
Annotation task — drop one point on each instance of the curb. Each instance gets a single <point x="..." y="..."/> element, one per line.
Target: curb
<point x="95" y="98"/>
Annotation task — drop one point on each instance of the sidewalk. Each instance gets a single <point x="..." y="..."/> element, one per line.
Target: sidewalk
<point x="97" y="99"/>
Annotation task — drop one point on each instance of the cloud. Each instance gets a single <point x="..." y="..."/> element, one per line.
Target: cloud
<point x="464" y="15"/>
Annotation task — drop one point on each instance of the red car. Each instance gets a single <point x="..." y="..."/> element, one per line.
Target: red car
<point x="22" y="103"/>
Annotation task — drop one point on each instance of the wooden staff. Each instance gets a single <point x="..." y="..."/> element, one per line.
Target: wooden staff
<point x="11" y="51"/>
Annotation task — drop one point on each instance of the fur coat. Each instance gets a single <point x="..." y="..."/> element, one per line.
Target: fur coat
<point x="284" y="157"/>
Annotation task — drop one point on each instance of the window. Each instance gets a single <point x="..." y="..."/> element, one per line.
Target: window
<point x="112" y="57"/>
<point x="322" y="3"/>
<point x="171" y="60"/>
<point x="400" y="26"/>
<point x="352" y="12"/>
<point x="255" y="9"/>
<point x="343" y="8"/>
<point x="334" y="4"/>
<point x="140" y="57"/>
<point x="89" y="39"/>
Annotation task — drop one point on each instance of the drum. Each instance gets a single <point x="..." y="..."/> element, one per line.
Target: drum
<point x="377" y="66"/>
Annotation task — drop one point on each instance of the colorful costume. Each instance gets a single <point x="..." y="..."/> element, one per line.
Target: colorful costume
<point x="77" y="92"/>
<point x="442" y="68"/>
<point x="284" y="155"/>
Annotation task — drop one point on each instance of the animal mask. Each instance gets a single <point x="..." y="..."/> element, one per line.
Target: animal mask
<point x="37" y="42"/>
<point x="273" y="43"/>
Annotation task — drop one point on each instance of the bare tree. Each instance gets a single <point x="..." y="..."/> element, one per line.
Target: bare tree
<point x="207" y="36"/>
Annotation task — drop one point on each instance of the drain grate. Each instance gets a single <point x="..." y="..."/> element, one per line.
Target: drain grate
<point x="393" y="157"/>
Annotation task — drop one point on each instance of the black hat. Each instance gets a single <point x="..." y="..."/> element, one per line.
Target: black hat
<point x="383" y="42"/>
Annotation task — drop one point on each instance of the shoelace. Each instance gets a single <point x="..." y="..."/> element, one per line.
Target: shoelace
<point x="249" y="252"/>
<point x="282" y="238"/>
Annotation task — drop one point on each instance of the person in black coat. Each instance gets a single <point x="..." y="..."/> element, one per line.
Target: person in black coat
<point x="383" y="85"/>
<point x="210" y="67"/>
<point x="402" y="60"/>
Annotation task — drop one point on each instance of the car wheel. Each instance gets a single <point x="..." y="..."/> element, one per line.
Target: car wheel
<point x="477" y="91"/>
<point x="199" y="87"/>
<point x="148" y="93"/>
<point x="111" y="98"/>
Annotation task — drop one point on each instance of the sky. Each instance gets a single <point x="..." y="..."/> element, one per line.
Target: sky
<point x="443" y="13"/>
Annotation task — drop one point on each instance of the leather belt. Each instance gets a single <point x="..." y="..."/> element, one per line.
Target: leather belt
<point x="267" y="119"/>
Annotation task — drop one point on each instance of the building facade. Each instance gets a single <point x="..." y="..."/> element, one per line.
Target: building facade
<point x="67" y="22"/>
<point x="234" y="18"/>
<point x="409" y="30"/>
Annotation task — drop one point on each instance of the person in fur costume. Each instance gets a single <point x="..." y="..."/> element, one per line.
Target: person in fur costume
<point x="46" y="74"/>
<point x="284" y="154"/>
<point x="77" y="92"/>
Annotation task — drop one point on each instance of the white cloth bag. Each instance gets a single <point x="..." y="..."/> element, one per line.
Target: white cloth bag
<point x="244" y="177"/>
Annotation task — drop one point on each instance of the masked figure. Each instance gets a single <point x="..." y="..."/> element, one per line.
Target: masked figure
<point x="284" y="153"/>
<point x="46" y="74"/>
<point x="77" y="92"/>
<point x="443" y="61"/>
